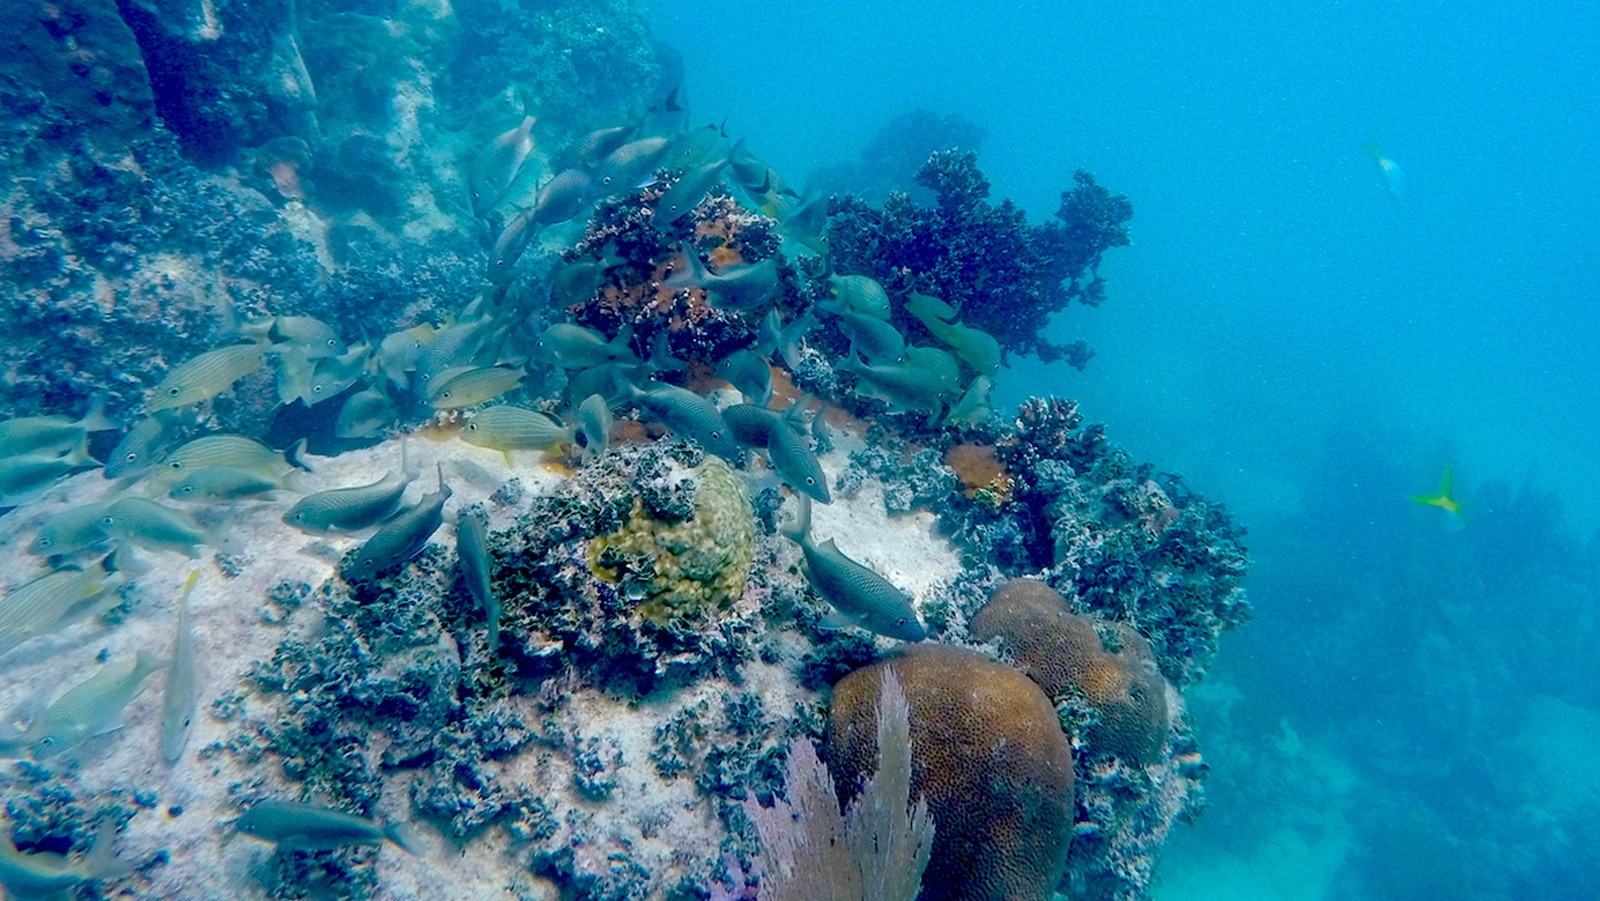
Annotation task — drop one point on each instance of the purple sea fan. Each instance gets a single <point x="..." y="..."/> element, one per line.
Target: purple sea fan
<point x="875" y="851"/>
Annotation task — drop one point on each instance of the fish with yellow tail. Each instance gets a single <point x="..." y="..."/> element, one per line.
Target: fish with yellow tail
<point x="1442" y="499"/>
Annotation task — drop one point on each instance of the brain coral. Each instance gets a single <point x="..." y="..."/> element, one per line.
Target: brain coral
<point x="989" y="756"/>
<point x="701" y="562"/>
<point x="1062" y="652"/>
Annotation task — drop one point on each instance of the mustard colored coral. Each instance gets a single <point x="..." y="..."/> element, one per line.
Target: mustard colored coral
<point x="700" y="563"/>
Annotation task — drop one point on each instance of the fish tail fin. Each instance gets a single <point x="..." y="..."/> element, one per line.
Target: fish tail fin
<point x="1446" y="483"/>
<point x="295" y="453"/>
<point x="402" y="836"/>
<point x="102" y="861"/>
<point x="799" y="528"/>
<point x="95" y="418"/>
<point x="1373" y="148"/>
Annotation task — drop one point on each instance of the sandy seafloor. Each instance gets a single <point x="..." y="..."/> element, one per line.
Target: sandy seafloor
<point x="232" y="624"/>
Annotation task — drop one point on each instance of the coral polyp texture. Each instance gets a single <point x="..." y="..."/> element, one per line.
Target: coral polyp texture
<point x="988" y="756"/>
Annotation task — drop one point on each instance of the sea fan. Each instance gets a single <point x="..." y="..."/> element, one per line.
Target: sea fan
<point x="876" y="850"/>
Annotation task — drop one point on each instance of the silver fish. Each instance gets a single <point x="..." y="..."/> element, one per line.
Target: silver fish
<point x="205" y="376"/>
<point x="401" y="538"/>
<point x="71" y="530"/>
<point x="49" y="601"/>
<point x="147" y="524"/>
<point x="626" y="166"/>
<point x="741" y="288"/>
<point x="306" y="827"/>
<point x="140" y="448"/>
<point x="507" y="428"/>
<point x="686" y="193"/>
<point x="576" y="347"/>
<point x="751" y="424"/>
<point x="689" y="415"/>
<point x="315" y="338"/>
<point x="179" y="693"/>
<point x="595" y="416"/>
<point x="749" y="373"/>
<point x="365" y="414"/>
<point x="472" y="387"/>
<point x="89" y="708"/>
<point x="790" y="453"/>
<point x="862" y="294"/>
<point x="224" y="483"/>
<point x="354" y="508"/>
<point x="861" y="595"/>
<point x="472" y="555"/>
<point x="399" y="352"/>
<point x="973" y="405"/>
<point x="26" y="477"/>
<point x="45" y="875"/>
<point x="876" y="339"/>
<point x="497" y="165"/>
<point x="223" y="449"/>
<point x="51" y="434"/>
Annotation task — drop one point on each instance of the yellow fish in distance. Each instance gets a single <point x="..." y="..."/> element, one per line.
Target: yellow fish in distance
<point x="1442" y="499"/>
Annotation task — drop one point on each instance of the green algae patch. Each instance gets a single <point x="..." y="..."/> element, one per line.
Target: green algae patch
<point x="693" y="566"/>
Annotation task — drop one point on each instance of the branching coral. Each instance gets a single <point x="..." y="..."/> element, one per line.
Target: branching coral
<point x="1005" y="276"/>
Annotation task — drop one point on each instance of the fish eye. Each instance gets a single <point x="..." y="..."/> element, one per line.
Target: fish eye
<point x="810" y="481"/>
<point x="900" y="622"/>
<point x="172" y="392"/>
<point x="130" y="457"/>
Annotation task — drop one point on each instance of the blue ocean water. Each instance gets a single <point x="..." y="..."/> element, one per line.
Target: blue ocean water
<point x="1413" y="712"/>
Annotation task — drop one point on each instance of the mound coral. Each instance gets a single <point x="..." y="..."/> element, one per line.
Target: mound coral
<point x="697" y="564"/>
<point x="1062" y="652"/>
<point x="988" y="755"/>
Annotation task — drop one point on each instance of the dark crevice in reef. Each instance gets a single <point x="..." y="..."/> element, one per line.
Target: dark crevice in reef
<point x="172" y="64"/>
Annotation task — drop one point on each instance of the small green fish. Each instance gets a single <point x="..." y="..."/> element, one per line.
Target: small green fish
<point x="401" y="538"/>
<point x="454" y="345"/>
<point x="224" y="483"/>
<point x="595" y="416"/>
<point x="596" y="145"/>
<point x="45" y="875"/>
<point x="179" y="693"/>
<point x="875" y="339"/>
<point x="332" y="376"/>
<point x="927" y="379"/>
<point x="576" y="347"/>
<point x="24" y="478"/>
<point x="313" y="337"/>
<point x="497" y="165"/>
<point x="352" y="509"/>
<point x="89" y="708"/>
<point x="623" y="168"/>
<point x="472" y="556"/>
<point x="507" y="428"/>
<point x="860" y="595"/>
<point x="978" y="348"/>
<point x="205" y="376"/>
<point x="223" y="449"/>
<point x="862" y="294"/>
<point x="27" y="435"/>
<point x="742" y="288"/>
<point x="400" y="351"/>
<point x="751" y="424"/>
<point x="790" y="453"/>
<point x="688" y="415"/>
<point x="143" y="522"/>
<point x="50" y="601"/>
<point x="366" y="414"/>
<point x="686" y="193"/>
<point x="973" y="406"/>
<point x="71" y="530"/>
<point x="749" y="373"/>
<point x="306" y="827"/>
<point x="472" y="387"/>
<point x="140" y="448"/>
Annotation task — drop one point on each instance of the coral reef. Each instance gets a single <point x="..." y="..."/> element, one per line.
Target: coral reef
<point x="696" y="564"/>
<point x="988" y="756"/>
<point x="1004" y="275"/>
